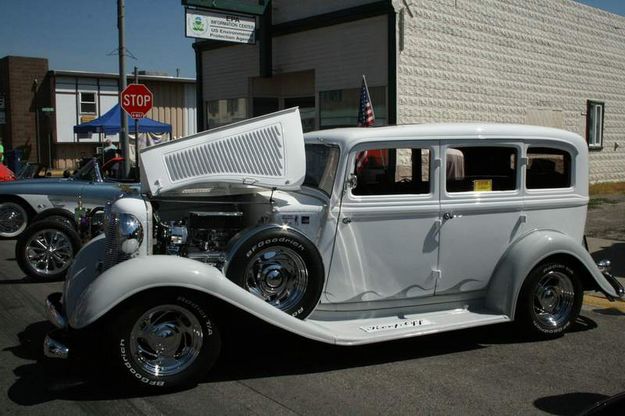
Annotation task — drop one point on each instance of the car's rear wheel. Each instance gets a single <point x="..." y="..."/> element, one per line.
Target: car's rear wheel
<point x="46" y="249"/>
<point x="550" y="300"/>
<point x="13" y="219"/>
<point x="164" y="341"/>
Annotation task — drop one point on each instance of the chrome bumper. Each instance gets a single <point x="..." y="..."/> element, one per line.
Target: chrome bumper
<point x="618" y="287"/>
<point x="54" y="345"/>
<point x="54" y="348"/>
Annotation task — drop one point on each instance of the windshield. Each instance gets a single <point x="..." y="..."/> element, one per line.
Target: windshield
<point x="87" y="173"/>
<point x="321" y="163"/>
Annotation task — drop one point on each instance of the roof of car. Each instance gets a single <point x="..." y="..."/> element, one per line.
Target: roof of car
<point x="349" y="136"/>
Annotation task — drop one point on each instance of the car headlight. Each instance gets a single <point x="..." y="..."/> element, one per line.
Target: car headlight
<point x="129" y="233"/>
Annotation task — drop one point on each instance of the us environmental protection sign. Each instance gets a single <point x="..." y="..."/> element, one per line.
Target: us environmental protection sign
<point x="220" y="26"/>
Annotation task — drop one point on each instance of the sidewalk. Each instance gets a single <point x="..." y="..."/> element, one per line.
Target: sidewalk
<point x="613" y="250"/>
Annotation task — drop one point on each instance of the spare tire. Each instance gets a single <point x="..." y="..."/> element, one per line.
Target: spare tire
<point x="280" y="266"/>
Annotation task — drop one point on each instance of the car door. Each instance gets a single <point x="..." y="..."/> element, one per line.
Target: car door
<point x="481" y="211"/>
<point x="386" y="245"/>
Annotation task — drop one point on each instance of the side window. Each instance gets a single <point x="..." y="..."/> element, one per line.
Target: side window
<point x="480" y="169"/>
<point x="392" y="172"/>
<point x="594" y="124"/>
<point x="548" y="168"/>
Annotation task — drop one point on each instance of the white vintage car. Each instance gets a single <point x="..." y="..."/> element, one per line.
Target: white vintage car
<point x="347" y="236"/>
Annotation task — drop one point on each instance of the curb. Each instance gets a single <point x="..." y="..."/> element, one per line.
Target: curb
<point x="602" y="302"/>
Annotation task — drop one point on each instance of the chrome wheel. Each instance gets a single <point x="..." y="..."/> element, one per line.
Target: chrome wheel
<point x="49" y="252"/>
<point x="166" y="340"/>
<point x="554" y="299"/>
<point x="278" y="275"/>
<point x="13" y="219"/>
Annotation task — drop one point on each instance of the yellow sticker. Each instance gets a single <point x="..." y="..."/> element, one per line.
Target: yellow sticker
<point x="483" y="185"/>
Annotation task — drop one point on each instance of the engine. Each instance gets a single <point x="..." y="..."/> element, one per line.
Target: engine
<point x="202" y="235"/>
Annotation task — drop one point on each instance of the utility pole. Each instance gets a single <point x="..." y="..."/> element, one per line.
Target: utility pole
<point x="137" y="132"/>
<point x="123" y="132"/>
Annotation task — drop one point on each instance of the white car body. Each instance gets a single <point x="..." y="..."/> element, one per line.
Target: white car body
<point x="395" y="265"/>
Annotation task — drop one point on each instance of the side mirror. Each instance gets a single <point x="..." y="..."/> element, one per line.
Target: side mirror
<point x="66" y="173"/>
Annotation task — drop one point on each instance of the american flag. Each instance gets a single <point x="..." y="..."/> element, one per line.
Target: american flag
<point x="366" y="117"/>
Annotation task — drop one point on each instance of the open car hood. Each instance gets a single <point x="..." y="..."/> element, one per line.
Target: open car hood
<point x="266" y="151"/>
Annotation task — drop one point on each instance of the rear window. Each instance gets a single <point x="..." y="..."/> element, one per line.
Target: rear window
<point x="548" y="168"/>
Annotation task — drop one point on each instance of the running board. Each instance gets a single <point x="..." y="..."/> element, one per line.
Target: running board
<point x="366" y="331"/>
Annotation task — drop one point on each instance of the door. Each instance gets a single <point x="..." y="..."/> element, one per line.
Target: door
<point x="386" y="248"/>
<point x="481" y="212"/>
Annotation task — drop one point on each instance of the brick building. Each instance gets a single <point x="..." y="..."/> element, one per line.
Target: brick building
<point x="23" y="87"/>
<point x="556" y="63"/>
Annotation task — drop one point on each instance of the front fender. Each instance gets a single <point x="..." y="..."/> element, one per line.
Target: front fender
<point x="136" y="275"/>
<point x="527" y="253"/>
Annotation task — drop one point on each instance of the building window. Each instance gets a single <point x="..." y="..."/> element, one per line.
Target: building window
<point x="222" y="112"/>
<point x="548" y="168"/>
<point x="87" y="103"/>
<point x="233" y="106"/>
<point x="339" y="108"/>
<point x="594" y="124"/>
<point x="481" y="169"/>
<point x="392" y="172"/>
<point x="307" y="110"/>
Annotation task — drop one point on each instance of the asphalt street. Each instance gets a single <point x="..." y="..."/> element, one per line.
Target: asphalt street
<point x="489" y="370"/>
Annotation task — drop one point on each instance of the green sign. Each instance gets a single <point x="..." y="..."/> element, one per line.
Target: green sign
<point x="47" y="109"/>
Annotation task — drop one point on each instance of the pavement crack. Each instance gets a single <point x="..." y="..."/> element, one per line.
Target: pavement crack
<point x="282" y="405"/>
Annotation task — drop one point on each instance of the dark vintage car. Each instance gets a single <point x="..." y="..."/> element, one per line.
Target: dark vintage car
<point x="22" y="201"/>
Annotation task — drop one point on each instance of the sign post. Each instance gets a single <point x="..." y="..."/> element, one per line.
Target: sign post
<point x="137" y="100"/>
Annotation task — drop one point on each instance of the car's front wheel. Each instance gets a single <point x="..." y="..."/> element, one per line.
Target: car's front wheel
<point x="165" y="341"/>
<point x="46" y="249"/>
<point x="550" y="299"/>
<point x="13" y="219"/>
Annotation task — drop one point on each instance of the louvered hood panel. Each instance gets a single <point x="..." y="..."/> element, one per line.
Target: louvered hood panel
<point x="265" y="151"/>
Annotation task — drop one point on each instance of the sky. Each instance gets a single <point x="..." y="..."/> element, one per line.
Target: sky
<point x="82" y="35"/>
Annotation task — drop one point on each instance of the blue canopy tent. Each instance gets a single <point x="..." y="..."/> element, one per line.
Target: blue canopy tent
<point x="109" y="123"/>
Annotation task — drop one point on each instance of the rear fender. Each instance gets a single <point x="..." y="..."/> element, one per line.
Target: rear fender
<point x="525" y="254"/>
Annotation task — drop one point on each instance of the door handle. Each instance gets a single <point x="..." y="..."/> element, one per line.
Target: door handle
<point x="450" y="215"/>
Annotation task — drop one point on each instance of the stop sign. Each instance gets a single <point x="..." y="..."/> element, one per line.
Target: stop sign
<point x="136" y="100"/>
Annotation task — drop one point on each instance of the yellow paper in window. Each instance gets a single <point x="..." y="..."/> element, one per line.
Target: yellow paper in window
<point x="483" y="185"/>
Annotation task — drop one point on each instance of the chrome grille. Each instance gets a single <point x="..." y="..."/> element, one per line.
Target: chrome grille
<point x="256" y="153"/>
<point x="112" y="252"/>
<point x="110" y="242"/>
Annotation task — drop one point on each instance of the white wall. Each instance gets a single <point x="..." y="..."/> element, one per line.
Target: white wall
<point x="518" y="61"/>
<point x="190" y="110"/>
<point x="338" y="54"/>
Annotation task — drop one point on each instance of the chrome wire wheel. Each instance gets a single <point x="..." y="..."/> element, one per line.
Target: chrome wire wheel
<point x="13" y="219"/>
<point x="49" y="252"/>
<point x="166" y="340"/>
<point x="554" y="299"/>
<point x="277" y="275"/>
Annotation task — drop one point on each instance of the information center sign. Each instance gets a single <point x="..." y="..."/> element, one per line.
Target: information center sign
<point x="220" y="26"/>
